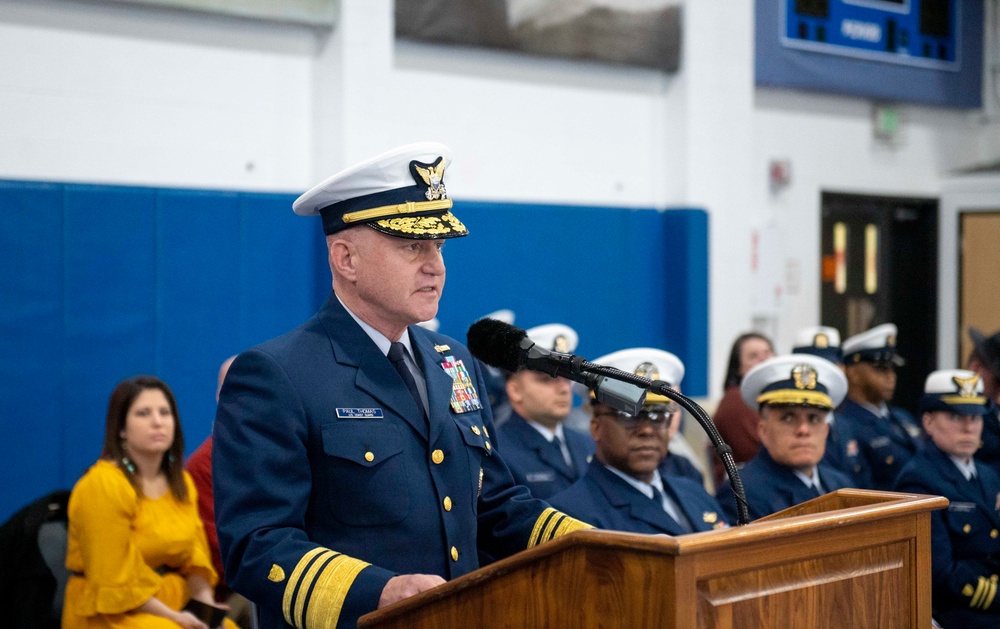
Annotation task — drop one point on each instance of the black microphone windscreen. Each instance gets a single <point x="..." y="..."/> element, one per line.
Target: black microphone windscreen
<point x="495" y="343"/>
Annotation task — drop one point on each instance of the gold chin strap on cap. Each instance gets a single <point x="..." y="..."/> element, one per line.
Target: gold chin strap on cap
<point x="410" y="207"/>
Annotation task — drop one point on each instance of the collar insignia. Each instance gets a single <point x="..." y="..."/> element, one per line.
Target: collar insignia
<point x="440" y="349"/>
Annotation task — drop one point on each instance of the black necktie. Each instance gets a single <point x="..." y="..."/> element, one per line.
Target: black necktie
<point x="681" y="519"/>
<point x="397" y="352"/>
<point x="557" y="446"/>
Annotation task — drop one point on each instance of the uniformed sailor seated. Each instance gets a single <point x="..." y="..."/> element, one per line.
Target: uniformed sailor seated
<point x="542" y="452"/>
<point x="965" y="542"/>
<point x="793" y="395"/>
<point x="887" y="435"/>
<point x="353" y="456"/>
<point x="842" y="451"/>
<point x="623" y="488"/>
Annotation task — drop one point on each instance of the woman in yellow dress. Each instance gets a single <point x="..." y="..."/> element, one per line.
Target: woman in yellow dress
<point x="137" y="549"/>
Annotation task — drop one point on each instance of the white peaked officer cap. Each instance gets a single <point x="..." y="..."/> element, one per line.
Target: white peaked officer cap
<point x="554" y="337"/>
<point x="956" y="391"/>
<point x="506" y="315"/>
<point x="875" y="345"/>
<point x="819" y="340"/>
<point x="794" y="380"/>
<point x="400" y="193"/>
<point x="647" y="362"/>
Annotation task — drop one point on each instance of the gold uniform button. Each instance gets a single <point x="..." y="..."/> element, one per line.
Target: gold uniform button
<point x="454" y="554"/>
<point x="994" y="533"/>
<point x="437" y="456"/>
<point x="486" y="432"/>
<point x="369" y="457"/>
<point x="447" y="503"/>
<point x="966" y="528"/>
<point x="475" y="430"/>
<point x="889" y="460"/>
<point x="488" y="446"/>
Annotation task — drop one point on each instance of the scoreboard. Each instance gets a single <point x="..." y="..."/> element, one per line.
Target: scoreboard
<point x="922" y="33"/>
<point x="903" y="51"/>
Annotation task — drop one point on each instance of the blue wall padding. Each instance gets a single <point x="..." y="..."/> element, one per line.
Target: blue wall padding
<point x="619" y="277"/>
<point x="99" y="283"/>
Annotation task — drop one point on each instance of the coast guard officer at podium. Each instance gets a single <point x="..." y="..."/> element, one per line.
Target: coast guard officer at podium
<point x="353" y="457"/>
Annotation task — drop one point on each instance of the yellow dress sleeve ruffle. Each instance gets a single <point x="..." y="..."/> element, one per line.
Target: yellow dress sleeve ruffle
<point x="102" y="507"/>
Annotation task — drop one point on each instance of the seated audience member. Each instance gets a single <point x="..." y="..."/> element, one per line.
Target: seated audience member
<point x="136" y="547"/>
<point x="842" y="451"/>
<point x="736" y="422"/>
<point x="985" y="361"/>
<point x="199" y="466"/>
<point x="794" y="394"/>
<point x="965" y="545"/>
<point x="887" y="436"/>
<point x="623" y="489"/>
<point x="542" y="453"/>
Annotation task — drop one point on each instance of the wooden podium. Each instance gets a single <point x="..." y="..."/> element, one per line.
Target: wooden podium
<point x="852" y="558"/>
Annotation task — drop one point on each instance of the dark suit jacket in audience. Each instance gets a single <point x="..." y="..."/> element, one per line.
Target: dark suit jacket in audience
<point x="771" y="487"/>
<point x="965" y="543"/>
<point x="537" y="463"/>
<point x="608" y="502"/>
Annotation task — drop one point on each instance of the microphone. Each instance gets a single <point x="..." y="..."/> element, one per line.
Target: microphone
<point x="502" y="345"/>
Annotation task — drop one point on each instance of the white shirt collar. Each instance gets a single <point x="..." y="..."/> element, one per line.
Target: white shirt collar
<point x="810" y="481"/>
<point x="882" y="410"/>
<point x="380" y="339"/>
<point x="645" y="488"/>
<point x="546" y="432"/>
<point x="968" y="470"/>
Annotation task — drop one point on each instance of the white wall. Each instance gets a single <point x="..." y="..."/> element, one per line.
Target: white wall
<point x="107" y="93"/>
<point x="138" y="96"/>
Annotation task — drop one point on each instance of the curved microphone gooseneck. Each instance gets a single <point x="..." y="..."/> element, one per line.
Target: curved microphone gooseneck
<point x="507" y="347"/>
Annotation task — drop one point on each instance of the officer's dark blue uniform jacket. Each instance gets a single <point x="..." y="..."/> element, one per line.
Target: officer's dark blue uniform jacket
<point x="329" y="480"/>
<point x="538" y="464"/>
<point x="844" y="453"/>
<point x="605" y="500"/>
<point x="886" y="443"/>
<point x="965" y="537"/>
<point x="771" y="487"/>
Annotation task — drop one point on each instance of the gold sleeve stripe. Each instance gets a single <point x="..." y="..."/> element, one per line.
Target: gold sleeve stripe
<point x="980" y="592"/>
<point x="552" y="524"/>
<point x="989" y="598"/>
<point x="568" y="525"/>
<point x="540" y="524"/>
<point x="294" y="593"/>
<point x="327" y="598"/>
<point x="305" y="587"/>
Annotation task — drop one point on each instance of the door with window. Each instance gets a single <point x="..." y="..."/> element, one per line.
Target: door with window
<point x="880" y="266"/>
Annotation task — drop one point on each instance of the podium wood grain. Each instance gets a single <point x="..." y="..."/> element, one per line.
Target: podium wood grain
<point x="853" y="558"/>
